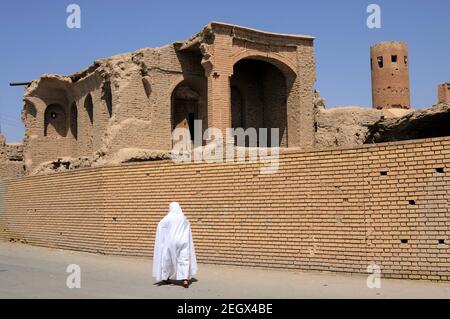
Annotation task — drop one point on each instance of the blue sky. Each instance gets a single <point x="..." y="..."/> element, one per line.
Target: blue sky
<point x="35" y="40"/>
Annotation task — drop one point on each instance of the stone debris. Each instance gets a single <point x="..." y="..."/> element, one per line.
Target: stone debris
<point x="61" y="165"/>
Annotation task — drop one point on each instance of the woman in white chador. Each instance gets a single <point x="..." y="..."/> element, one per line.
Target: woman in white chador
<point x="174" y="255"/>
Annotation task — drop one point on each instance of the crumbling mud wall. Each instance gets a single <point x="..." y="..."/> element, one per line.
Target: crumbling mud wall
<point x="119" y="102"/>
<point x="344" y="126"/>
<point x="431" y="122"/>
<point x="11" y="159"/>
<point x="337" y="209"/>
<point x="351" y="126"/>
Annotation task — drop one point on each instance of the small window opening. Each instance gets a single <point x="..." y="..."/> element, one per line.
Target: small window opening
<point x="441" y="241"/>
<point x="412" y="202"/>
<point x="53" y="115"/>
<point x="371" y="65"/>
<point x="393" y="58"/>
<point x="406" y="60"/>
<point x="404" y="241"/>
<point x="380" y="61"/>
<point x="440" y="170"/>
<point x="383" y="173"/>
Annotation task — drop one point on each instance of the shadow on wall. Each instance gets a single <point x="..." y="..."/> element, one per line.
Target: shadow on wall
<point x="433" y="122"/>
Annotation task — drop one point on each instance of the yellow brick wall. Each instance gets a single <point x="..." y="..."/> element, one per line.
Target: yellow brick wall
<point x="328" y="210"/>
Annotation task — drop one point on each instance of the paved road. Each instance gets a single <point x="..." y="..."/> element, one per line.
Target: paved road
<point x="36" y="272"/>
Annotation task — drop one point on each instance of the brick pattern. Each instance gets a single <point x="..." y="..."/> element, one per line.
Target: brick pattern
<point x="329" y="210"/>
<point x="11" y="156"/>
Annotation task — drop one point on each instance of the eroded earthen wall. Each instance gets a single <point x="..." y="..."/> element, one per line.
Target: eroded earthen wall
<point x="63" y="117"/>
<point x="144" y="107"/>
<point x="332" y="210"/>
<point x="11" y="160"/>
<point x="344" y="126"/>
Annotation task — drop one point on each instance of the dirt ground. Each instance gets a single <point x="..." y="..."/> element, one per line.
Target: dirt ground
<point x="37" y="272"/>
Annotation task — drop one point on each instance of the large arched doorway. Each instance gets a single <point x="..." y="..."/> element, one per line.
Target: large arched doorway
<point x="259" y="98"/>
<point x="188" y="105"/>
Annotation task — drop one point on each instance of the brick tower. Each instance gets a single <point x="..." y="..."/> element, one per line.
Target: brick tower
<point x="444" y="93"/>
<point x="390" y="75"/>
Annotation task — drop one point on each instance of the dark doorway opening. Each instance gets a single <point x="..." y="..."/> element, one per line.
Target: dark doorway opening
<point x="191" y="119"/>
<point x="259" y="99"/>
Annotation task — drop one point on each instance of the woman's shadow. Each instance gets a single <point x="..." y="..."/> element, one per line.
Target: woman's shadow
<point x="174" y="282"/>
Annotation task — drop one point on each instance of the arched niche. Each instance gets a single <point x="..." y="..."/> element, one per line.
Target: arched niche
<point x="55" y="121"/>
<point x="188" y="104"/>
<point x="74" y="120"/>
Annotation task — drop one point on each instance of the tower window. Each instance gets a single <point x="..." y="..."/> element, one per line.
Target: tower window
<point x="393" y="58"/>
<point x="406" y="60"/>
<point x="380" y="61"/>
<point x="371" y="67"/>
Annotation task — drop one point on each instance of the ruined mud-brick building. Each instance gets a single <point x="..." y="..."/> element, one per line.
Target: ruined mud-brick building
<point x="354" y="186"/>
<point x="124" y="108"/>
<point x="226" y="75"/>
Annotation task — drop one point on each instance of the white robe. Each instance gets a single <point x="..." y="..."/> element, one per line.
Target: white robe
<point x="174" y="255"/>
